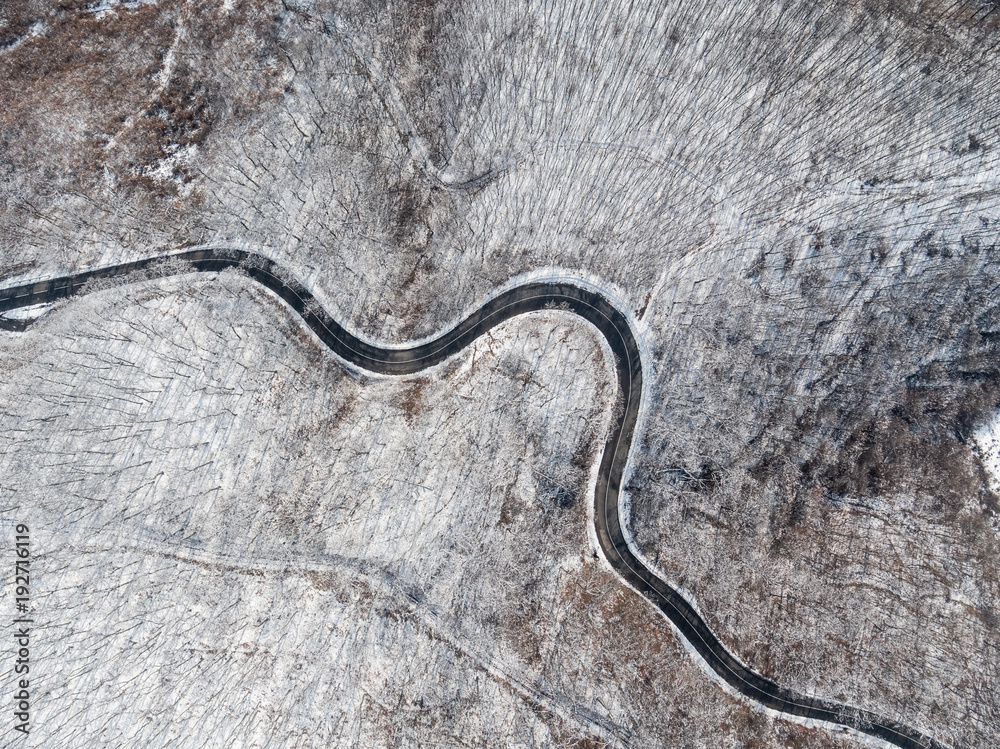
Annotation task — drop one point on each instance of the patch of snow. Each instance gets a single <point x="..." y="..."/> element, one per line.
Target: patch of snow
<point x="163" y="76"/>
<point x="987" y="438"/>
<point x="37" y="29"/>
<point x="107" y="7"/>
<point x="166" y="167"/>
<point x="27" y="313"/>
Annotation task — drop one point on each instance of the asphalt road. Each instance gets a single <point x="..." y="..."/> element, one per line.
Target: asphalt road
<point x="614" y="326"/>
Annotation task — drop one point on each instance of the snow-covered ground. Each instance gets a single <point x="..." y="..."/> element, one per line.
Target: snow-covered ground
<point x="797" y="202"/>
<point x="987" y="438"/>
<point x="238" y="543"/>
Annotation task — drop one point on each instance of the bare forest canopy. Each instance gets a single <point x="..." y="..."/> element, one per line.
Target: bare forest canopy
<point x="797" y="206"/>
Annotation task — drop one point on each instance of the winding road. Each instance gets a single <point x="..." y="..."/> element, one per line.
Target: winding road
<point x="615" y="327"/>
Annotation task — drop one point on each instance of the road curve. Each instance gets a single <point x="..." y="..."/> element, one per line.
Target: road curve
<point x="530" y="297"/>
